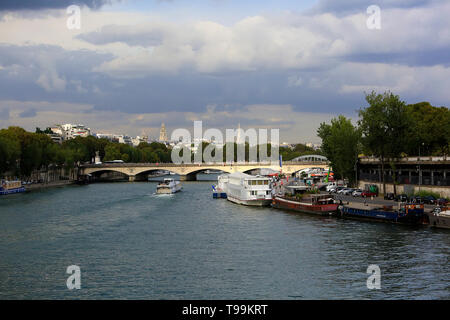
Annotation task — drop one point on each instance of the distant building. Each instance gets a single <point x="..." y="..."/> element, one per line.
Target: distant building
<point x="69" y="131"/>
<point x="108" y="136"/>
<point x="124" y="139"/>
<point x="314" y="146"/>
<point x="56" y="137"/>
<point x="137" y="141"/>
<point x="57" y="130"/>
<point x="163" y="133"/>
<point x="287" y="145"/>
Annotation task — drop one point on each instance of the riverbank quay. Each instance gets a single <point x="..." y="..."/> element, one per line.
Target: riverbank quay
<point x="47" y="178"/>
<point x="412" y="174"/>
<point x="44" y="185"/>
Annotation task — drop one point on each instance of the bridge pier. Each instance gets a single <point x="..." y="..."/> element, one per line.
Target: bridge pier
<point x="131" y="178"/>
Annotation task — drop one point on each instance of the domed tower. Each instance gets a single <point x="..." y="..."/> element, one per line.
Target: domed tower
<point x="162" y="133"/>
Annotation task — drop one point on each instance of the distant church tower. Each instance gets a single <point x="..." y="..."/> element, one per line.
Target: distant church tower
<point x="239" y="138"/>
<point x="162" y="133"/>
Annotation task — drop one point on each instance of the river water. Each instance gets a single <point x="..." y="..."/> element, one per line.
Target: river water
<point x="133" y="244"/>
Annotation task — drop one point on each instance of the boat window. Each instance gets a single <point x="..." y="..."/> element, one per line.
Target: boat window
<point x="260" y="182"/>
<point x="266" y="182"/>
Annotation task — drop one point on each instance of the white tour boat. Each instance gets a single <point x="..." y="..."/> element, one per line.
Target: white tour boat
<point x="220" y="190"/>
<point x="169" y="185"/>
<point x="440" y="218"/>
<point x="249" y="190"/>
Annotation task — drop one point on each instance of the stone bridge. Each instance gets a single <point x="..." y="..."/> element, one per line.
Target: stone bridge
<point x="188" y="172"/>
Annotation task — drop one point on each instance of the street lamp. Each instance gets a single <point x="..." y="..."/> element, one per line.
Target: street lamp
<point x="420" y="176"/>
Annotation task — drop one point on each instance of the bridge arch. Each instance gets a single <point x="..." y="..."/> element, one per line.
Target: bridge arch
<point x="191" y="175"/>
<point x="194" y="170"/>
<point x="110" y="174"/>
<point x="142" y="175"/>
<point x="262" y="168"/>
<point x="311" y="158"/>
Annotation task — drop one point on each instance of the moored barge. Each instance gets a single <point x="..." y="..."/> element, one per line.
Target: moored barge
<point x="405" y="214"/>
<point x="323" y="205"/>
<point x="9" y="187"/>
<point x="298" y="198"/>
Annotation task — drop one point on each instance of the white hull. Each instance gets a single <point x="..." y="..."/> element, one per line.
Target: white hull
<point x="169" y="186"/>
<point x="250" y="202"/>
<point x="440" y="220"/>
<point x="222" y="183"/>
<point x="249" y="190"/>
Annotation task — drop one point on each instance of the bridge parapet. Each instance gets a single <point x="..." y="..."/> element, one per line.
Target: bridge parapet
<point x="169" y="164"/>
<point x="135" y="171"/>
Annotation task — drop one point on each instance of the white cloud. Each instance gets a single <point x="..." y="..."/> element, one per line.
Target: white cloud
<point x="307" y="54"/>
<point x="400" y="79"/>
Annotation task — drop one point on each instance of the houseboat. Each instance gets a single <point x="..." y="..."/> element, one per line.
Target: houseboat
<point x="440" y="218"/>
<point x="8" y="187"/>
<point x="303" y="199"/>
<point x="249" y="190"/>
<point x="168" y="186"/>
<point x="405" y="214"/>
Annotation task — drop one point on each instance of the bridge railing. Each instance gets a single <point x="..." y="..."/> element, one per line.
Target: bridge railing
<point x="169" y="164"/>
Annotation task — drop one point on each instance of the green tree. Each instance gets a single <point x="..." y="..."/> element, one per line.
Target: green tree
<point x="429" y="130"/>
<point x="341" y="145"/>
<point x="112" y="152"/>
<point x="10" y="152"/>
<point x="385" y="126"/>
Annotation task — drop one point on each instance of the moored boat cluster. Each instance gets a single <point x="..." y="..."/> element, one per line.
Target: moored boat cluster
<point x="296" y="196"/>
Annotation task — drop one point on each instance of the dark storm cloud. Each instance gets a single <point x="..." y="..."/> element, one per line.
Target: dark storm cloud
<point x="13" y="5"/>
<point x="357" y="6"/>
<point x="430" y="57"/>
<point x="23" y="66"/>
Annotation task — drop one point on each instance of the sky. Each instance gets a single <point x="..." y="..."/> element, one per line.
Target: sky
<point x="284" y="64"/>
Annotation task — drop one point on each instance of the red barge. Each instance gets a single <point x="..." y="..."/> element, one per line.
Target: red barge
<point x="318" y="204"/>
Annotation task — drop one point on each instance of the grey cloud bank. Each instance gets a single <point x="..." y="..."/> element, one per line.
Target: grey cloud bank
<point x="261" y="71"/>
<point x="49" y="4"/>
<point x="344" y="7"/>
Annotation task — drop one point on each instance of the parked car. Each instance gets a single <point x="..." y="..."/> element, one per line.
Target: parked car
<point x="389" y="196"/>
<point x="416" y="199"/>
<point x="401" y="198"/>
<point x="341" y="191"/>
<point x="366" y="194"/>
<point x="336" y="190"/>
<point x="357" y="193"/>
<point x="441" y="202"/>
<point x="348" y="191"/>
<point x="331" y="186"/>
<point x="429" y="200"/>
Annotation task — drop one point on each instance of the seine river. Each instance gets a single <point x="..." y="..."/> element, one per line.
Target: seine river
<point x="133" y="244"/>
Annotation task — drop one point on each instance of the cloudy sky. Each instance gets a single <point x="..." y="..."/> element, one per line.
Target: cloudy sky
<point x="264" y="64"/>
